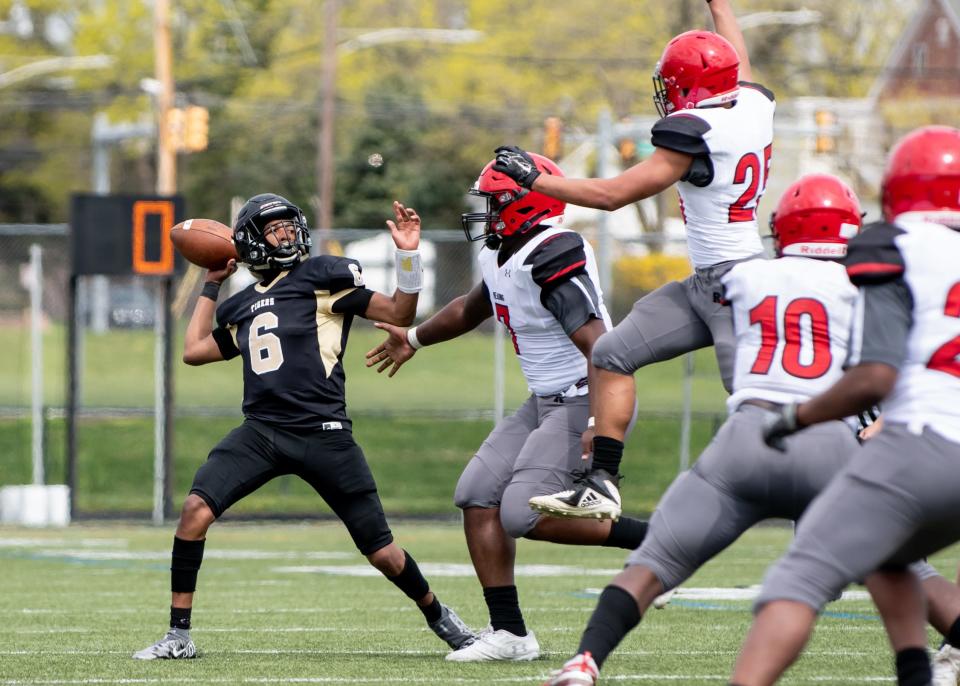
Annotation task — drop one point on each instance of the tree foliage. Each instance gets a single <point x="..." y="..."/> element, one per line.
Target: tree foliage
<point x="434" y="111"/>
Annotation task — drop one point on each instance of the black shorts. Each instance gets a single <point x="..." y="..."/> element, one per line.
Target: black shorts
<point x="330" y="461"/>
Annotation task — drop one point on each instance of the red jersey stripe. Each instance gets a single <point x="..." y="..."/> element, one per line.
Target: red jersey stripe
<point x="566" y="270"/>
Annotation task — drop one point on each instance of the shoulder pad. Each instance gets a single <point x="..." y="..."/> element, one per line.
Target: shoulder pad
<point x="681" y="132"/>
<point x="557" y="259"/>
<point x="766" y="92"/>
<point x="873" y="256"/>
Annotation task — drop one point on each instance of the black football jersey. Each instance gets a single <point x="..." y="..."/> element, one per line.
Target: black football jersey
<point x="291" y="333"/>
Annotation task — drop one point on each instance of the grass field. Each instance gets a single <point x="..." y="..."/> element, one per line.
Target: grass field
<point x="285" y="604"/>
<point x="415" y="460"/>
<point x="456" y="376"/>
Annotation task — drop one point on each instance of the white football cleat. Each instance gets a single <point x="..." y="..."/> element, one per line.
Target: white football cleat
<point x="662" y="600"/>
<point x="594" y="496"/>
<point x="498" y="645"/>
<point x="176" y="645"/>
<point x="946" y="666"/>
<point x="580" y="670"/>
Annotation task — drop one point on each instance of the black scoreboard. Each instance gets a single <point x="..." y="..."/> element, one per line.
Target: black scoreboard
<point x="124" y="234"/>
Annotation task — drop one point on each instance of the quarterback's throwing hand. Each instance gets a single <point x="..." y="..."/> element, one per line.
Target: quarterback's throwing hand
<point x="221" y="275"/>
<point x="778" y="426"/>
<point x="516" y="164"/>
<point x="393" y="351"/>
<point x="406" y="229"/>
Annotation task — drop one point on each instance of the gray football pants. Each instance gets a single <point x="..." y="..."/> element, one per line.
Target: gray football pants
<point x="894" y="503"/>
<point x="677" y="318"/>
<point x="737" y="482"/>
<point x="532" y="452"/>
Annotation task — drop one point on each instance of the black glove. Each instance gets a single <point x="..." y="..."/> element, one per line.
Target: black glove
<point x="780" y="425"/>
<point x="516" y="164"/>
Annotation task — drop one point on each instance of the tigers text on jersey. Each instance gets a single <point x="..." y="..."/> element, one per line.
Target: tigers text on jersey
<point x="552" y="276"/>
<point x="731" y="150"/>
<point x="792" y="319"/>
<point x="923" y="258"/>
<point x="291" y="334"/>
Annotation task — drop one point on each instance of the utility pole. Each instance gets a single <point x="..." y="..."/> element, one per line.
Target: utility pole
<point x="327" y="113"/>
<point x="163" y="66"/>
<point x="166" y="186"/>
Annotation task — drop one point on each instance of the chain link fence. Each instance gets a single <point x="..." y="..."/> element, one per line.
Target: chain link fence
<point x="455" y="385"/>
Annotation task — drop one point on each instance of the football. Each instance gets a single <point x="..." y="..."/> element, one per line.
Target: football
<point x="204" y="242"/>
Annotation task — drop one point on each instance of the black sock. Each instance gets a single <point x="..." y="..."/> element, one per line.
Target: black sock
<point x="432" y="611"/>
<point x="410" y="580"/>
<point x="913" y="667"/>
<point x="627" y="533"/>
<point x="607" y="453"/>
<point x="616" y="615"/>
<point x="180" y="618"/>
<point x="953" y="636"/>
<point x="504" y="607"/>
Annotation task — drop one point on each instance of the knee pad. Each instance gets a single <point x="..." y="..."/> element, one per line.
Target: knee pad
<point x="516" y="517"/>
<point x="608" y="354"/>
<point x="473" y="490"/>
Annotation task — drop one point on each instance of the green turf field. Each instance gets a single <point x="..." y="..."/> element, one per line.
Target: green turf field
<point x="456" y="376"/>
<point x="283" y="604"/>
<point x="415" y="460"/>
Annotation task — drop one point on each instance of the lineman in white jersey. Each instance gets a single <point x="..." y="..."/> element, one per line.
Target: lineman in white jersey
<point x="897" y="499"/>
<point x="541" y="283"/>
<point x="792" y="321"/>
<point x="715" y="143"/>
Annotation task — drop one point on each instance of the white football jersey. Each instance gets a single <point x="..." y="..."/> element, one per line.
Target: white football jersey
<point x="550" y="361"/>
<point x="792" y="318"/>
<point x="732" y="148"/>
<point x="927" y="391"/>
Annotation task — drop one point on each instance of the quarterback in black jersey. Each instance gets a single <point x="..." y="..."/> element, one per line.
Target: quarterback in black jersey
<point x="290" y="329"/>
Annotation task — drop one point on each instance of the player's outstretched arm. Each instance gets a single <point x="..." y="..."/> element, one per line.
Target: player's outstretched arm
<point x="860" y="388"/>
<point x="401" y="307"/>
<point x="459" y="316"/>
<point x="655" y="174"/>
<point x="725" y="23"/>
<point x="199" y="346"/>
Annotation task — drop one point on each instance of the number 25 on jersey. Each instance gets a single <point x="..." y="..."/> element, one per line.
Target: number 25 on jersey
<point x="749" y="168"/>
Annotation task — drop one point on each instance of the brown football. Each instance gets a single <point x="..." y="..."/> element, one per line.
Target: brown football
<point x="205" y="242"/>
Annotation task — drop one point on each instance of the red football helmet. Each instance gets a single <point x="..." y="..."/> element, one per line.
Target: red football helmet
<point x="815" y="217"/>
<point x="697" y="69"/>
<point x="511" y="208"/>
<point x="922" y="177"/>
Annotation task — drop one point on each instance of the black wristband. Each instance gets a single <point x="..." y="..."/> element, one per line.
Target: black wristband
<point x="211" y="289"/>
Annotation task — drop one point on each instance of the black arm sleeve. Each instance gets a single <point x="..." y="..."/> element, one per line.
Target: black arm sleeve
<point x="356" y="302"/>
<point x="887" y="316"/>
<point x="685" y="133"/>
<point x="574" y="302"/>
<point x="873" y="256"/>
<point x="224" y="340"/>
<point x="226" y="313"/>
<point x="557" y="259"/>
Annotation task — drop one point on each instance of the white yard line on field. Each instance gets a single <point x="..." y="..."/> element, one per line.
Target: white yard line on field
<point x="424" y="653"/>
<point x="435" y="680"/>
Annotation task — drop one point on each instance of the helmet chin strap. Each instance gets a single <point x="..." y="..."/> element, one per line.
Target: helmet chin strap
<point x="531" y="222"/>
